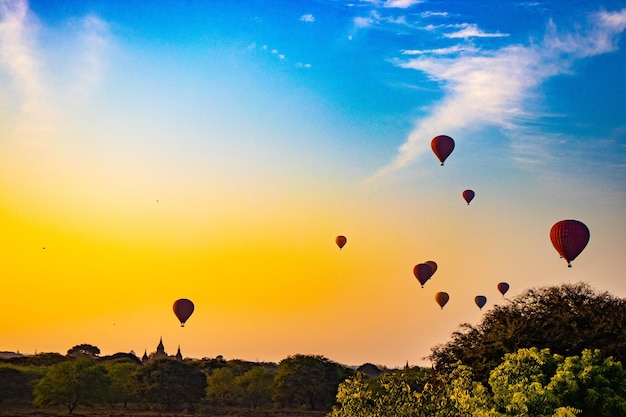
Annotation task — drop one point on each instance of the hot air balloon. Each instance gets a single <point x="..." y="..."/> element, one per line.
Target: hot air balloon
<point x="423" y="272"/>
<point x="442" y="299"/>
<point x="569" y="238"/>
<point x="442" y="146"/>
<point x="503" y="287"/>
<point x="433" y="265"/>
<point x="480" y="301"/>
<point x="183" y="308"/>
<point x="468" y="195"/>
<point x="341" y="241"/>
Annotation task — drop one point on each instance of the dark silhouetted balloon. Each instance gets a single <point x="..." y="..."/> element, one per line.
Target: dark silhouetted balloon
<point x="442" y="299"/>
<point x="423" y="272"/>
<point x="503" y="287"/>
<point x="480" y="301"/>
<point x="442" y="146"/>
<point x="183" y="309"/>
<point x="341" y="241"/>
<point x="569" y="238"/>
<point x="433" y="265"/>
<point x="468" y="195"/>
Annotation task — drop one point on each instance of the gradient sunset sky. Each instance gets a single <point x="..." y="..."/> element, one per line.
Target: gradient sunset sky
<point x="212" y="150"/>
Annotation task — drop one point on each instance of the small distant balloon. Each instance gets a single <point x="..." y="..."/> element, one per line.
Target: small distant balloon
<point x="341" y="241"/>
<point x="442" y="299"/>
<point x="480" y="301"/>
<point x="422" y="272"/>
<point x="503" y="287"/>
<point x="468" y="195"/>
<point x="183" y="308"/>
<point x="442" y="146"/>
<point x="433" y="265"/>
<point x="569" y="238"/>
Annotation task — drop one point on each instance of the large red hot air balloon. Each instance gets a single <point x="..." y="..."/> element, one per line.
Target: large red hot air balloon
<point x="423" y="272"/>
<point x="442" y="146"/>
<point x="468" y="195"/>
<point x="183" y="309"/>
<point x="442" y="299"/>
<point x="480" y="301"/>
<point x="503" y="287"/>
<point x="569" y="238"/>
<point x="341" y="241"/>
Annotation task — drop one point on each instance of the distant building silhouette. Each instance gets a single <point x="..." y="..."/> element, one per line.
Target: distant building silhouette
<point x="160" y="353"/>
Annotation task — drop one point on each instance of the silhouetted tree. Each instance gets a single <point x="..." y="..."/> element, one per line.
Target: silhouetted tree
<point x="310" y="380"/>
<point x="83" y="349"/>
<point x="566" y="319"/>
<point x="171" y="383"/>
<point x="124" y="387"/>
<point x="256" y="387"/>
<point x="14" y="384"/>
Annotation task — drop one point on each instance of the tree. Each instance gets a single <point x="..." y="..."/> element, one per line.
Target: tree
<point x="78" y="381"/>
<point x="84" y="349"/>
<point x="591" y="383"/>
<point x="171" y="383"/>
<point x="256" y="387"/>
<point x="124" y="387"/>
<point x="221" y="387"/>
<point x="310" y="380"/>
<point x="14" y="384"/>
<point x="566" y="319"/>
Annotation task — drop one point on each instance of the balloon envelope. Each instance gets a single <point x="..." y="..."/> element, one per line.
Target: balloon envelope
<point x="433" y="265"/>
<point x="503" y="287"/>
<point x="442" y="299"/>
<point x="183" y="308"/>
<point x="569" y="238"/>
<point x="468" y="195"/>
<point x="480" y="301"/>
<point x="423" y="272"/>
<point x="442" y="146"/>
<point x="341" y="241"/>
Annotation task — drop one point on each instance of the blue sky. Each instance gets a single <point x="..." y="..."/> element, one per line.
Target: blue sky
<point x="265" y="128"/>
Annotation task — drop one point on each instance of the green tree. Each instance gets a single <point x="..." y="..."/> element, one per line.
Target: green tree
<point x="309" y="380"/>
<point x="221" y="387"/>
<point x="84" y="349"/>
<point x="14" y="384"/>
<point x="78" y="381"/>
<point x="566" y="319"/>
<point x="256" y="387"/>
<point x="591" y="383"/>
<point x="124" y="387"/>
<point x="171" y="384"/>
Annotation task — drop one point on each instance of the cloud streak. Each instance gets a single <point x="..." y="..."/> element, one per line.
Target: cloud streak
<point x="502" y="81"/>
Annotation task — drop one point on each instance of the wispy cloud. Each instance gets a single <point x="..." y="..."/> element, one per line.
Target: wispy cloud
<point x="309" y="18"/>
<point x="503" y="81"/>
<point x="401" y="4"/>
<point x="471" y="30"/>
<point x="95" y="42"/>
<point x="17" y="49"/>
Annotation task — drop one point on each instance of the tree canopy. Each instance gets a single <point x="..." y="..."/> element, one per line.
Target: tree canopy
<point x="566" y="319"/>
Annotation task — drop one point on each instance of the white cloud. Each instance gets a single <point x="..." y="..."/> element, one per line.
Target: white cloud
<point x="363" y="22"/>
<point x="439" y="51"/>
<point x="502" y="81"/>
<point x="470" y="30"/>
<point x="17" y="49"/>
<point x="401" y="4"/>
<point x="307" y="18"/>
<point x="94" y="41"/>
<point x="430" y="14"/>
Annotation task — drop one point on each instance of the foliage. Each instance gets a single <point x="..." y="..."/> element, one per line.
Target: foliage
<point x="256" y="387"/>
<point x="171" y="383"/>
<point x="221" y="388"/>
<point x="309" y="380"/>
<point x="124" y="388"/>
<point x="78" y="381"/>
<point x="566" y="319"/>
<point x="14" y="384"/>
<point x="83" y="349"/>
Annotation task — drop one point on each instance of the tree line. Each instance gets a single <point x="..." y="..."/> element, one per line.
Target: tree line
<point x="549" y="352"/>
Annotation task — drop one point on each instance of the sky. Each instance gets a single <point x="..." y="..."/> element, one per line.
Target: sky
<point x="151" y="151"/>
